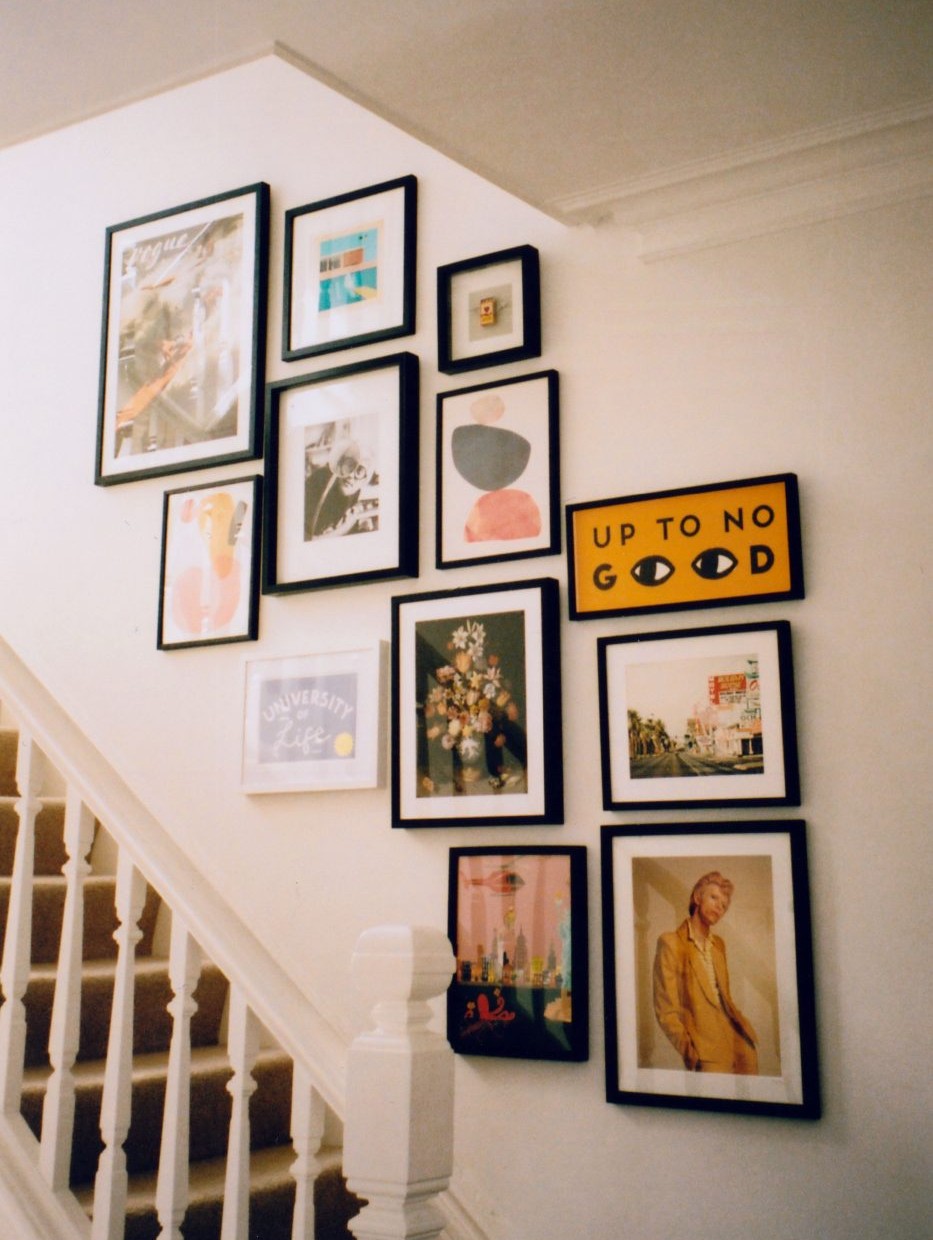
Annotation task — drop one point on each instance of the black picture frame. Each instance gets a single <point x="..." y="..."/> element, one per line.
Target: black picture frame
<point x="209" y="571"/>
<point x="476" y="719"/>
<point x="341" y="480"/>
<point x="489" y="310"/>
<point x="183" y="338"/>
<point x="698" y="718"/>
<point x="498" y="471"/>
<point x="350" y="269"/>
<point x="748" y="1046"/>
<point x="521" y="987"/>
<point x="716" y="545"/>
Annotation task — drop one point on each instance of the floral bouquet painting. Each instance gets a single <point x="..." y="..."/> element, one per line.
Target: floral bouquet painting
<point x="472" y="705"/>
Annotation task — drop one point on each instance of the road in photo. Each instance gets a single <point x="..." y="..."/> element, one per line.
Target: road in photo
<point x="697" y="716"/>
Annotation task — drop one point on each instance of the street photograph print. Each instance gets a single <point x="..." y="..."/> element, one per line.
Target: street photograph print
<point x="698" y="717"/>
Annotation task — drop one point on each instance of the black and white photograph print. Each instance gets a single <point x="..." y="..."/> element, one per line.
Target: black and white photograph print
<point x="341" y="480"/>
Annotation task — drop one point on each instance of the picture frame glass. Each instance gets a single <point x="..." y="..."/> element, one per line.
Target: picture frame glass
<point x="721" y="544"/>
<point x="517" y="920"/>
<point x="314" y="722"/>
<point x="487" y="310"/>
<point x="351" y="268"/>
<point x="497" y="470"/>
<point x="209" y="575"/>
<point x="698" y="717"/>
<point x="720" y="1036"/>
<point x="474" y="722"/>
<point x="181" y="365"/>
<point x="340" y="486"/>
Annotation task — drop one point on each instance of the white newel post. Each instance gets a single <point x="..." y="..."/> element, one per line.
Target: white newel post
<point x="398" y="1134"/>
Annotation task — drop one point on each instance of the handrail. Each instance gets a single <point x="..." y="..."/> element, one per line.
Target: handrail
<point x="259" y="984"/>
<point x="300" y="1029"/>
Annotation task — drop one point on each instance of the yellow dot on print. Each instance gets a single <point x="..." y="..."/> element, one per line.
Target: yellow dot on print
<point x="343" y="745"/>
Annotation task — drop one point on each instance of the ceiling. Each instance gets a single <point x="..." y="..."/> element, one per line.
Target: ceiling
<point x="557" y="101"/>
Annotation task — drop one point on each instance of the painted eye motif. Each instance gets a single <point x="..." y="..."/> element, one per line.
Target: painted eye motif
<point x="651" y="570"/>
<point x="714" y="563"/>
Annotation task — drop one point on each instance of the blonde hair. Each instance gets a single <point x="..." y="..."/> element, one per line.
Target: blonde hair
<point x="713" y="879"/>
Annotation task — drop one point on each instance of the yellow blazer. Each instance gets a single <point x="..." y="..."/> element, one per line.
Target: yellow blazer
<point x="704" y="1031"/>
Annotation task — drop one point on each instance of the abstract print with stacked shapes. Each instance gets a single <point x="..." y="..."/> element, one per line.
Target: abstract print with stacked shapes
<point x="512" y="920"/>
<point x="471" y="706"/>
<point x="491" y="458"/>
<point x="498" y="471"/>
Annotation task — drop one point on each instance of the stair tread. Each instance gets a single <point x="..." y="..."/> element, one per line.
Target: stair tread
<point x="148" y="965"/>
<point x="269" y="1166"/>
<point x="9" y="798"/>
<point x="153" y="1064"/>
<point x="56" y="881"/>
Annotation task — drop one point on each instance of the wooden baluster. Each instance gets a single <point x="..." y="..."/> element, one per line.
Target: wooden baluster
<point x="242" y="1047"/>
<point x="398" y="1141"/>
<point x="17" y="949"/>
<point x="110" y="1184"/>
<point x="58" y="1109"/>
<point x="307" y="1135"/>
<point x="172" y="1185"/>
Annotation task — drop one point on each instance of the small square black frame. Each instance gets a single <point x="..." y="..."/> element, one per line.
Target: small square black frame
<point x="452" y="360"/>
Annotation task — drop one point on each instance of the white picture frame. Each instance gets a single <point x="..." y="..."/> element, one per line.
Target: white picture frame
<point x="315" y="722"/>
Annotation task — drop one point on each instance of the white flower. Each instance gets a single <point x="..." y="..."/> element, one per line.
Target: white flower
<point x="460" y="637"/>
<point x="469" y="747"/>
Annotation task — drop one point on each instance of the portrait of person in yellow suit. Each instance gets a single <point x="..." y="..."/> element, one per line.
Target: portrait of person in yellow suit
<point x="692" y="1001"/>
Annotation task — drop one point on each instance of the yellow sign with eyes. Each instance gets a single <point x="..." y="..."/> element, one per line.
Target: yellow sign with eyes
<point x="731" y="542"/>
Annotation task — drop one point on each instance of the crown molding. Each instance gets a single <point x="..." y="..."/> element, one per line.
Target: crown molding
<point x="822" y="174"/>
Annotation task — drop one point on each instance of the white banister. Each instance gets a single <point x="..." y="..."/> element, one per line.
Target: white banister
<point x="17" y="947"/>
<point x="307" y="1125"/>
<point x="242" y="1049"/>
<point x="110" y="1185"/>
<point x="58" y="1110"/>
<point x="398" y="1121"/>
<point x="398" y="1137"/>
<point x="184" y="967"/>
<point x="283" y="1007"/>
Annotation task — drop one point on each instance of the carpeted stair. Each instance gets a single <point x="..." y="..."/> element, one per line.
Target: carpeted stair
<point x="272" y="1186"/>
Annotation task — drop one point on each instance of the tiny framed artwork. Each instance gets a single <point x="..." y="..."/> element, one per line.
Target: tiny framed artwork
<point x="350" y="269"/>
<point x="698" y="718"/>
<point x="183" y="338"/>
<point x="314" y="723"/>
<point x="708" y="546"/>
<point x="341" y="481"/>
<point x="476" y="725"/>
<point x="518" y="922"/>
<point x="708" y="968"/>
<point x="209" y="587"/>
<point x="498" y="471"/>
<point x="489" y="310"/>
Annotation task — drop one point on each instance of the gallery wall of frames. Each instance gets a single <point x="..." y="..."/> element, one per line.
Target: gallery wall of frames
<point x="469" y="687"/>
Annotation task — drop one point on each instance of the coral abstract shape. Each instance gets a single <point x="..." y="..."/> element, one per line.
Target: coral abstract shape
<point x="203" y="602"/>
<point x="487" y="409"/>
<point x="503" y="515"/>
<point x="489" y="457"/>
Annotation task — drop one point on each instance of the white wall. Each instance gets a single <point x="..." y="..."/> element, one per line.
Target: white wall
<point x="807" y="351"/>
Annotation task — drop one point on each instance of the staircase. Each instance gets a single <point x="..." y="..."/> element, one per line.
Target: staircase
<point x="160" y="1074"/>
<point x="202" y="1100"/>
